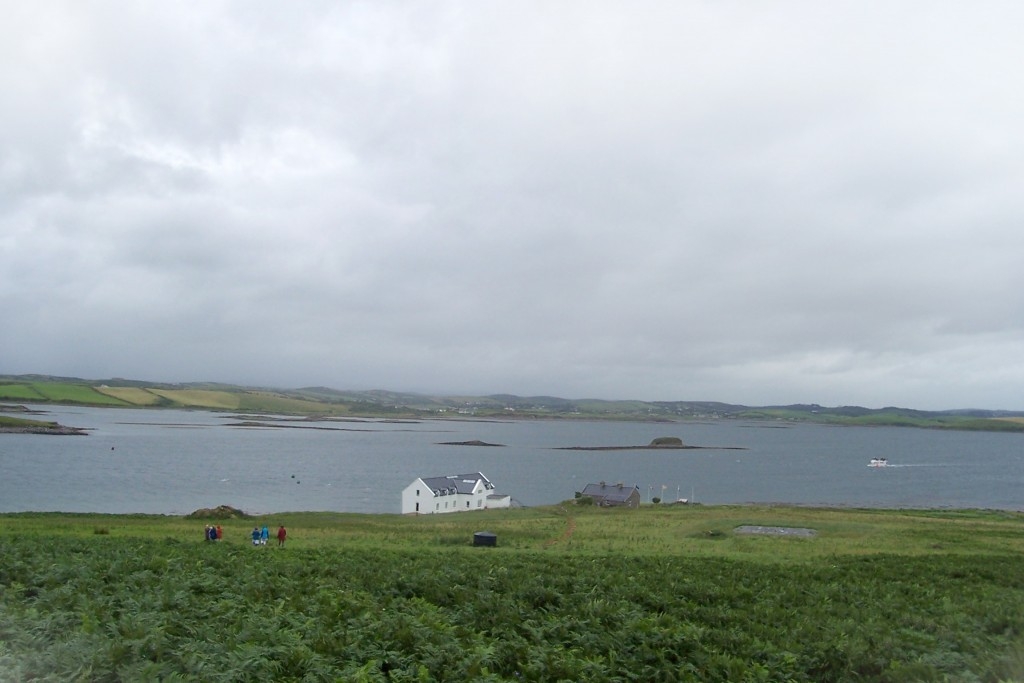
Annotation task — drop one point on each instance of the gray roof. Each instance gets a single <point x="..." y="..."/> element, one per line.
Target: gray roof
<point x="614" y="492"/>
<point x="456" y="483"/>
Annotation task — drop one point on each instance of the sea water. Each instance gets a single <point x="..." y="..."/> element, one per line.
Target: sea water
<point x="176" y="461"/>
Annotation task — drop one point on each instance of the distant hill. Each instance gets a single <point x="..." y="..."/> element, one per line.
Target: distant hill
<point x="328" y="402"/>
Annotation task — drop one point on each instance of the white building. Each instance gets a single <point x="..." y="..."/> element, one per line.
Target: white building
<point x="454" y="493"/>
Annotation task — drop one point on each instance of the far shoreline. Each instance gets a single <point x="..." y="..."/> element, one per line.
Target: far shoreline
<point x="46" y="428"/>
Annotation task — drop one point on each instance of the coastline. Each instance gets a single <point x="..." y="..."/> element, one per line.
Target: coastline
<point x="55" y="430"/>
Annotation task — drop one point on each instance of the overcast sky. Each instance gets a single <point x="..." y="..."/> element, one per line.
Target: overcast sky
<point x="760" y="203"/>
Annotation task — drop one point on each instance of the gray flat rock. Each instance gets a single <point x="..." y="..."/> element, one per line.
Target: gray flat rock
<point x="776" y="531"/>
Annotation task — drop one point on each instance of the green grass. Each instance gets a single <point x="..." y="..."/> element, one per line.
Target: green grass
<point x="135" y="396"/>
<point x="57" y="392"/>
<point x="270" y="402"/>
<point x="696" y="530"/>
<point x="570" y="594"/>
<point x="74" y="393"/>
<point x="22" y="422"/>
<point x="19" y="392"/>
<point x="199" y="398"/>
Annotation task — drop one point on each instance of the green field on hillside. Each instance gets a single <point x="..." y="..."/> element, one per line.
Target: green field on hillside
<point x="56" y="392"/>
<point x="664" y="593"/>
<point x="135" y="396"/>
<point x="890" y="419"/>
<point x="234" y="399"/>
<point x="321" y="401"/>
<point x="19" y="392"/>
<point x="74" y="393"/>
<point x="199" y="398"/>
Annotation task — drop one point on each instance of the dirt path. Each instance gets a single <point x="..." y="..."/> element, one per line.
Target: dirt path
<point x="570" y="527"/>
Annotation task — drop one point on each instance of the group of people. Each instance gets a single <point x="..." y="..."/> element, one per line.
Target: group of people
<point x="260" y="536"/>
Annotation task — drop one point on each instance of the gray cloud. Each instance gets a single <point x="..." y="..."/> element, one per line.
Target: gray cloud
<point x="794" y="202"/>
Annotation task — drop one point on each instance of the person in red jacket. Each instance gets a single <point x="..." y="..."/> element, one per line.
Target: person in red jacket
<point x="281" y="535"/>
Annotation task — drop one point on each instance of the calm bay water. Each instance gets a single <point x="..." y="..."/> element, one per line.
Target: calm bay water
<point x="174" y="461"/>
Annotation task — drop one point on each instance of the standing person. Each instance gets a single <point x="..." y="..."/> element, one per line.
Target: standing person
<point x="220" y="532"/>
<point x="281" y="535"/>
<point x="206" y="533"/>
<point x="255" y="535"/>
<point x="264" y="535"/>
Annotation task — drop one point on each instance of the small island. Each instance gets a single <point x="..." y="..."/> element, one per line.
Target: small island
<point x="474" y="442"/>
<point x="17" y="425"/>
<point x="659" y="444"/>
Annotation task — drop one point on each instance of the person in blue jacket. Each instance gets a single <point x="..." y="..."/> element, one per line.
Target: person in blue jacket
<point x="255" y="535"/>
<point x="264" y="535"/>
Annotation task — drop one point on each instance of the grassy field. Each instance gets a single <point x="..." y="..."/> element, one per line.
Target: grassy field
<point x="135" y="396"/>
<point x="74" y="393"/>
<point x="664" y="593"/>
<point x="891" y="419"/>
<point x="23" y="422"/>
<point x="56" y="392"/>
<point x="698" y="530"/>
<point x="270" y="402"/>
<point x="199" y="398"/>
<point x="249" y="401"/>
<point x="19" y="392"/>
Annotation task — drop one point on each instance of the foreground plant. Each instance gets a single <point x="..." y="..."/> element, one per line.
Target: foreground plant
<point x="106" y="608"/>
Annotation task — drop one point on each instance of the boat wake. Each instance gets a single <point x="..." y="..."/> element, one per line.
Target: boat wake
<point x="906" y="465"/>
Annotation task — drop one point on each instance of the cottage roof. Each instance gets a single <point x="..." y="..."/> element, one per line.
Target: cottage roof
<point x="610" y="492"/>
<point x="456" y="483"/>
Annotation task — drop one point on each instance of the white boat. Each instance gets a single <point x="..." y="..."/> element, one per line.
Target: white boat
<point x="878" y="462"/>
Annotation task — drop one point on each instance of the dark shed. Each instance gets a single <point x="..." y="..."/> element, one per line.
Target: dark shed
<point x="485" y="538"/>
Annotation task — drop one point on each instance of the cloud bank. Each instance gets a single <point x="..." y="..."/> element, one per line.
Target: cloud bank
<point x="796" y="202"/>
